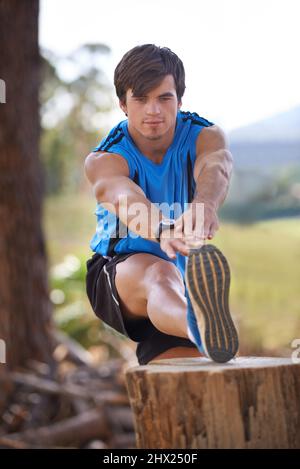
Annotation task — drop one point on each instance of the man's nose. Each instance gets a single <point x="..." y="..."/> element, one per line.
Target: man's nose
<point x="153" y="107"/>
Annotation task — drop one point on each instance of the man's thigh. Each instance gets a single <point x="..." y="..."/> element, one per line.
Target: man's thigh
<point x="132" y="279"/>
<point x="130" y="283"/>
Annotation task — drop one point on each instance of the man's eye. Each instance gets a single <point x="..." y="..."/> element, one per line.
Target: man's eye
<point x="140" y="99"/>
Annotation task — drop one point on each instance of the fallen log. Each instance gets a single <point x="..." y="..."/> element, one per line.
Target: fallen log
<point x="71" y="390"/>
<point x="8" y="443"/>
<point x="75" y="431"/>
<point x="66" y="347"/>
<point x="123" y="441"/>
<point x="121" y="418"/>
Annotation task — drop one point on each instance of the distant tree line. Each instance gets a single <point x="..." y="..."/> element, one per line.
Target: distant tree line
<point x="255" y="196"/>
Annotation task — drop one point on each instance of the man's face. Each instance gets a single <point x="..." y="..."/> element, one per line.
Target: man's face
<point x="153" y="116"/>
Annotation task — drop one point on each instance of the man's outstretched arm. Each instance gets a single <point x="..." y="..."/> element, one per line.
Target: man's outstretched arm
<point x="212" y="173"/>
<point x="213" y="167"/>
<point x="109" y="176"/>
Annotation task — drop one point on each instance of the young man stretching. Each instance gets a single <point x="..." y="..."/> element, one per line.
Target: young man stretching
<point x="147" y="279"/>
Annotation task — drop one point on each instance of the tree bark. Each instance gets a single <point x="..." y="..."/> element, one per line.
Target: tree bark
<point x="25" y="308"/>
<point x="195" y="403"/>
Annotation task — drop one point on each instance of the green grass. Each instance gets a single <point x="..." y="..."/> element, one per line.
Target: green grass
<point x="265" y="268"/>
<point x="265" y="271"/>
<point x="69" y="224"/>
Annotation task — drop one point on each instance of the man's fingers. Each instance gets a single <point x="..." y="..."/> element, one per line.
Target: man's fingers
<point x="171" y="252"/>
<point x="184" y="225"/>
<point x="206" y="231"/>
<point x="178" y="231"/>
<point x="188" y="228"/>
<point x="180" y="246"/>
<point x="212" y="230"/>
<point x="176" y="245"/>
<point x="194" y="241"/>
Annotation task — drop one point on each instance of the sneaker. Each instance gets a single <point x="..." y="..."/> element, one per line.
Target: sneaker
<point x="207" y="279"/>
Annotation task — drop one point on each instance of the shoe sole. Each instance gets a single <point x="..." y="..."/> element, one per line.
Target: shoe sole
<point x="208" y="281"/>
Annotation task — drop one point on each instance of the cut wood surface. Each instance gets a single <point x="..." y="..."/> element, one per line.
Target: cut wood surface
<point x="249" y="402"/>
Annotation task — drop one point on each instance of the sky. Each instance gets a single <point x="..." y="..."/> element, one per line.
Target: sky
<point x="241" y="57"/>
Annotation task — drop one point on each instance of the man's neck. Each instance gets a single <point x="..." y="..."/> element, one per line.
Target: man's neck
<point x="152" y="149"/>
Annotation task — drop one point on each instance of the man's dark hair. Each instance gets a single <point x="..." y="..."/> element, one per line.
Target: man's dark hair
<point x="144" y="67"/>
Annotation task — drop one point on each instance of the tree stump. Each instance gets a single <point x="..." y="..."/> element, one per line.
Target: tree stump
<point x="249" y="402"/>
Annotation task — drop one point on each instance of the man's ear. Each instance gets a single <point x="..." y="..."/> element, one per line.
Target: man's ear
<point x="123" y="106"/>
<point x="179" y="104"/>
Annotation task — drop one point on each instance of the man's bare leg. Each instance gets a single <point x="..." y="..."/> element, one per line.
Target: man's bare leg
<point x="149" y="286"/>
<point x="178" y="352"/>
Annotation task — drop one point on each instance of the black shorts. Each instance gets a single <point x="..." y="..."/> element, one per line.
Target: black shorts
<point x="104" y="299"/>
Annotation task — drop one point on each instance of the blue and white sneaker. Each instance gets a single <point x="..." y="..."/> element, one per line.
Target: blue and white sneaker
<point x="193" y="329"/>
<point x="207" y="279"/>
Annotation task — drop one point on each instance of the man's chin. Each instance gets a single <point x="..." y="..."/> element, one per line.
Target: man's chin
<point x="153" y="137"/>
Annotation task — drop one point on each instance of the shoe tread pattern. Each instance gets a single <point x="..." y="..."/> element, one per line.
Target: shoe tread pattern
<point x="208" y="283"/>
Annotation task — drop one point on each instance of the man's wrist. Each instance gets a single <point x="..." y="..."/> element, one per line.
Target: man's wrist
<point x="207" y="203"/>
<point x="163" y="225"/>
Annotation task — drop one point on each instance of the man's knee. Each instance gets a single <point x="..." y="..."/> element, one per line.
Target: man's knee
<point x="163" y="273"/>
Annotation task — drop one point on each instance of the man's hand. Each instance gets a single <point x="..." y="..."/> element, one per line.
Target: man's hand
<point x="211" y="221"/>
<point x="171" y="244"/>
<point x="198" y="223"/>
<point x="192" y="228"/>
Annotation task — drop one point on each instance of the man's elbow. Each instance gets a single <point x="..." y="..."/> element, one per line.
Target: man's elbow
<point x="88" y="166"/>
<point x="98" y="184"/>
<point x="112" y="191"/>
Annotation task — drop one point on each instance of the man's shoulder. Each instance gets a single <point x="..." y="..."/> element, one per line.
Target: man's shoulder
<point x="193" y="118"/>
<point x="212" y="137"/>
<point x="209" y="131"/>
<point x="114" y="136"/>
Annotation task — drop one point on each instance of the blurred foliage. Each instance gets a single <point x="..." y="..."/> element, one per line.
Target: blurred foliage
<point x="72" y="112"/>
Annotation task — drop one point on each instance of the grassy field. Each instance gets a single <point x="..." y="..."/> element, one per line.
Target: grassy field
<point x="265" y="269"/>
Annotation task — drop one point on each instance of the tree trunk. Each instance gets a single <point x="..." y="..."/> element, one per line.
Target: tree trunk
<point x="194" y="403"/>
<point x="25" y="309"/>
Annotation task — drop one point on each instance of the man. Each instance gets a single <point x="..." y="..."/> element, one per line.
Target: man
<point x="137" y="280"/>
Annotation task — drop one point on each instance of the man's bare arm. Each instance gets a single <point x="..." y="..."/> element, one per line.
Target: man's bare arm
<point x="109" y="176"/>
<point x="212" y="171"/>
<point x="213" y="167"/>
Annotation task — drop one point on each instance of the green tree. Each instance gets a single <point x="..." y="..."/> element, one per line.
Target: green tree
<point x="70" y="112"/>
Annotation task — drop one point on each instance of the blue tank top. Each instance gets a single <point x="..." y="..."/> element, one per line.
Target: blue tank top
<point x="169" y="183"/>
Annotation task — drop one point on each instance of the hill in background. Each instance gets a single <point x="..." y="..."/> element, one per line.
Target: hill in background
<point x="266" y="177"/>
